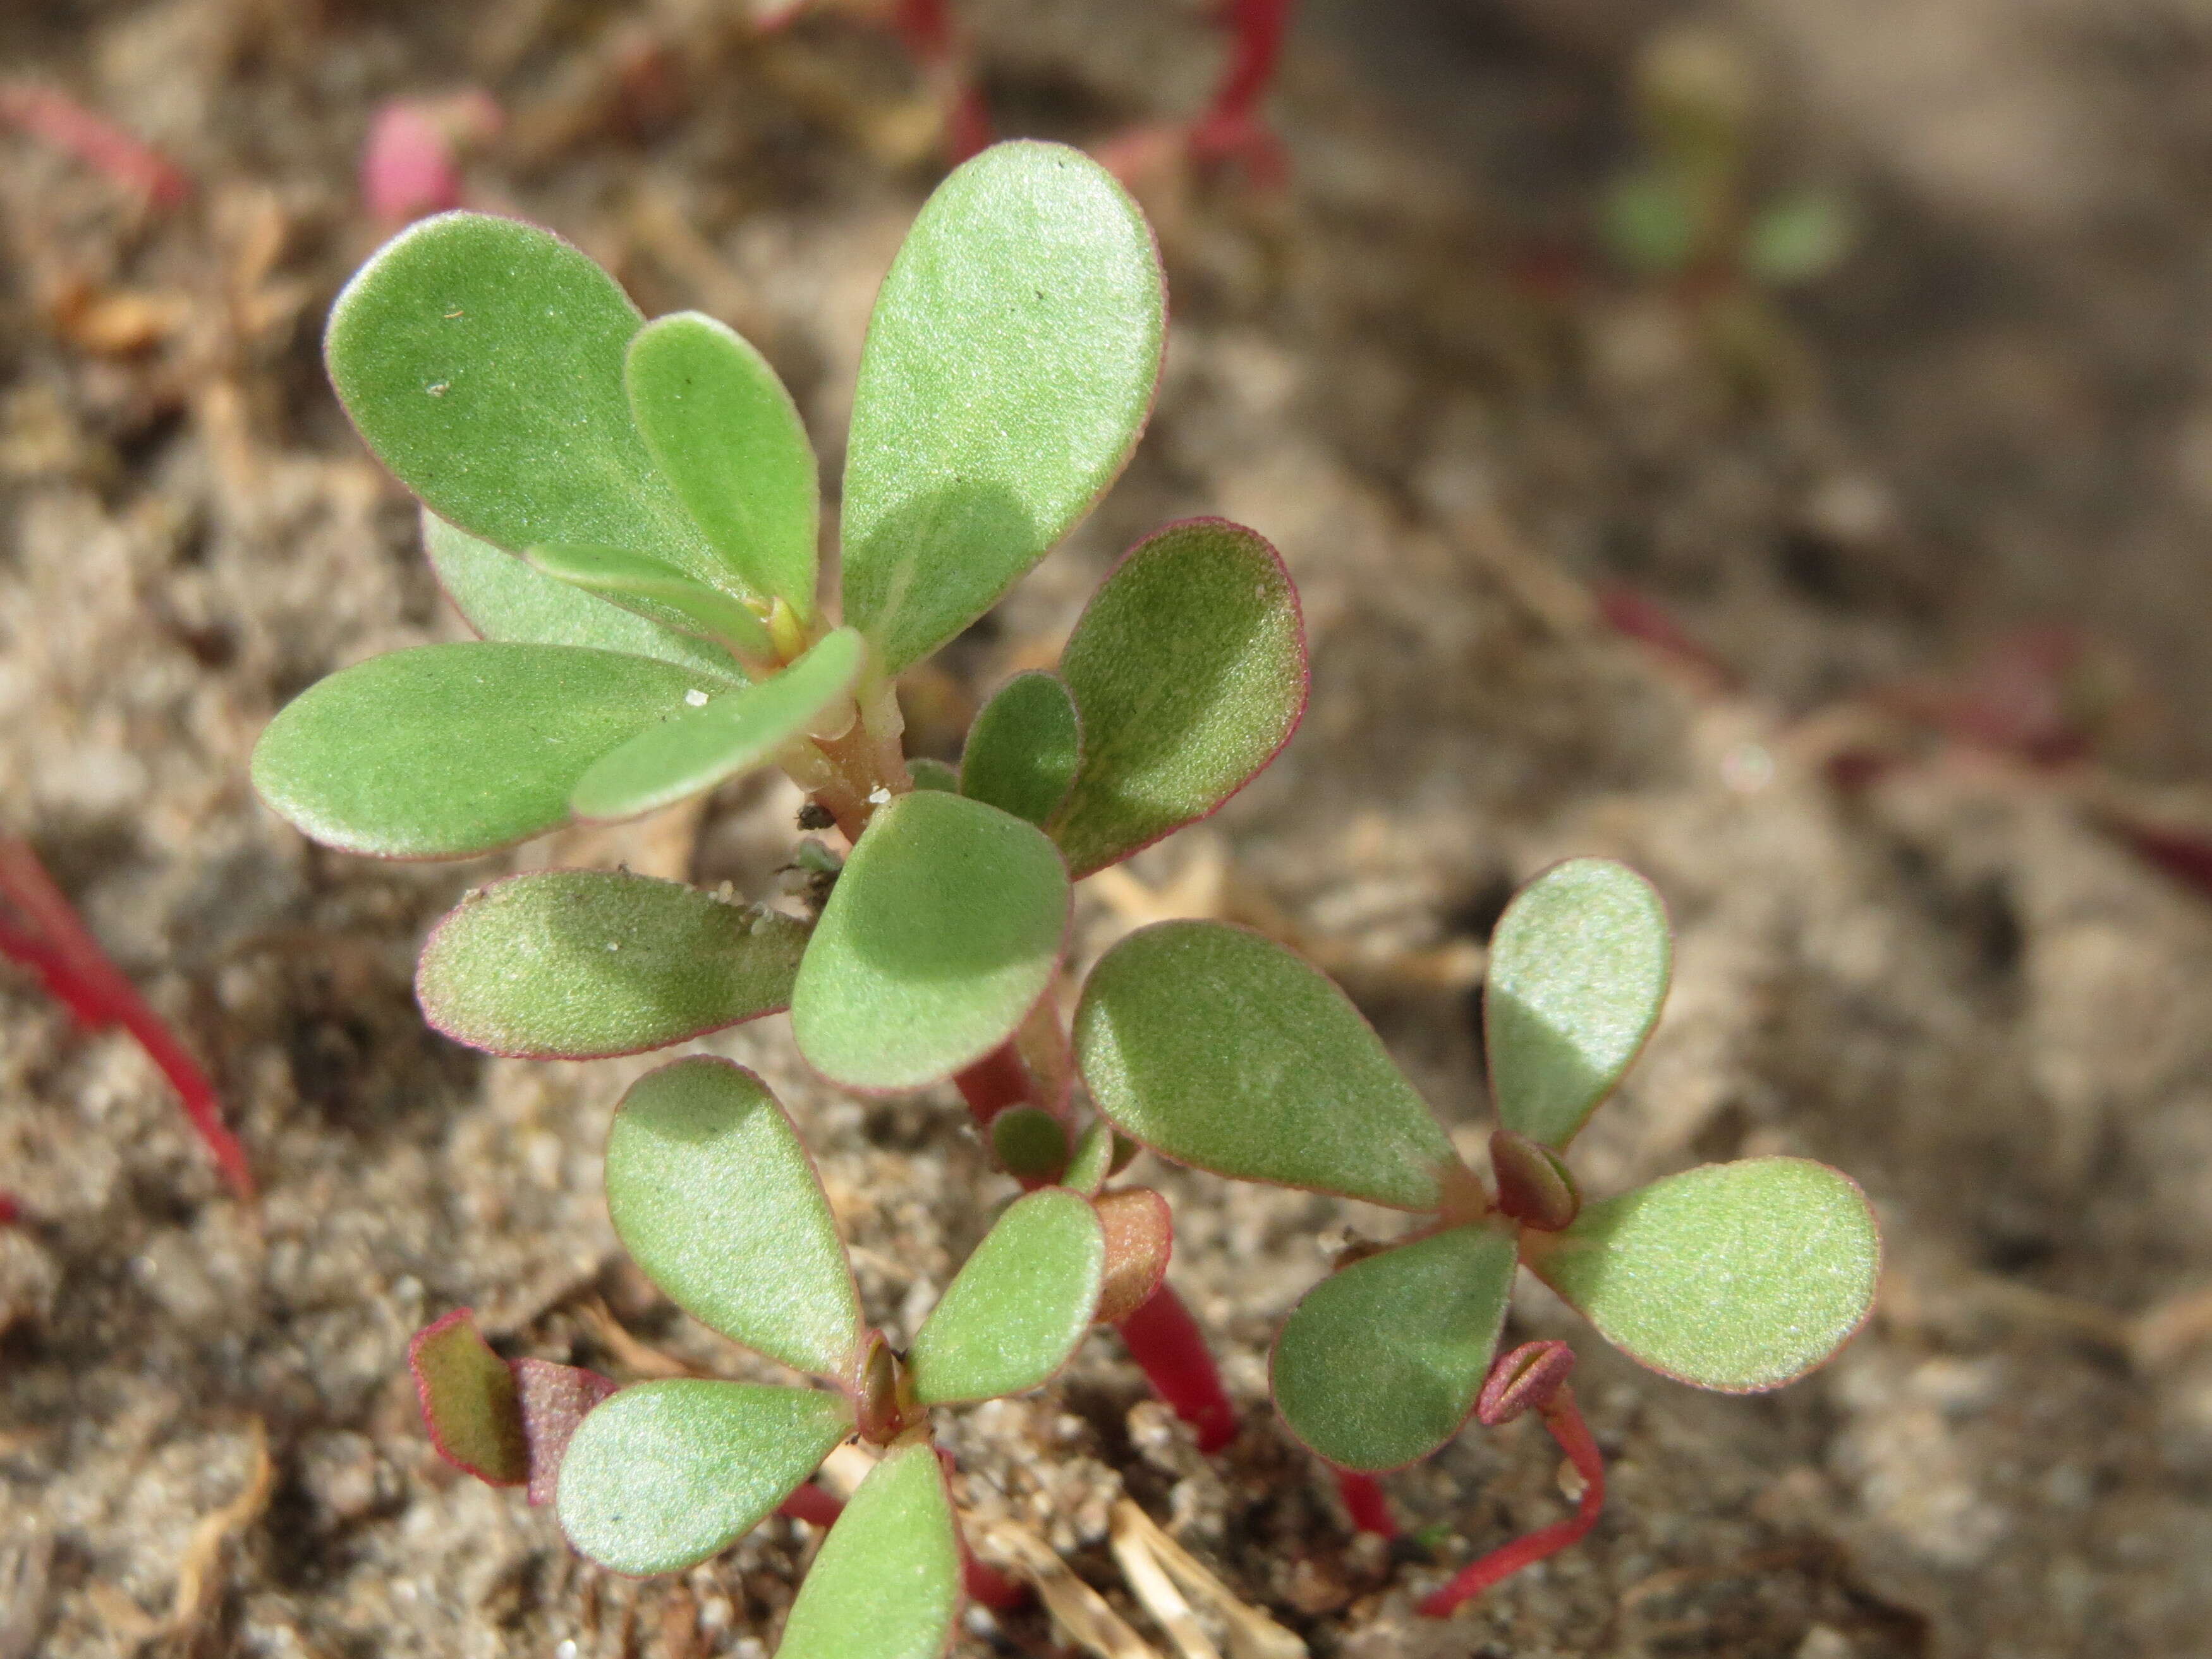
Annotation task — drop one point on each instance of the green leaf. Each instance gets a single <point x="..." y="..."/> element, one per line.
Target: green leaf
<point x="711" y="1191"/>
<point x="887" y="1583"/>
<point x="931" y="774"/>
<point x="1736" y="1276"/>
<point x="1028" y="1143"/>
<point x="700" y="747"/>
<point x="730" y="439"/>
<point x="939" y="937"/>
<point x="1008" y="369"/>
<point x="1190" y="668"/>
<point x="1017" y="1307"/>
<point x="1578" y="968"/>
<point x="665" y="1474"/>
<point x="482" y="359"/>
<point x="449" y="751"/>
<point x="1650" y="223"/>
<point x="1381" y="1364"/>
<point x="501" y="597"/>
<point x="657" y="592"/>
<point x="1024" y="747"/>
<point x="469" y="1402"/>
<point x="1094" y="1153"/>
<point x="573" y="964"/>
<point x="1222" y="1050"/>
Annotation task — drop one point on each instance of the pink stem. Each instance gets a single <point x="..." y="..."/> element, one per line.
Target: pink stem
<point x="1232" y="125"/>
<point x="809" y="1503"/>
<point x="61" y="121"/>
<point x="1363" y="1498"/>
<point x="78" y="974"/>
<point x="926" y="27"/>
<point x="1165" y="1341"/>
<point x="1564" y="1420"/>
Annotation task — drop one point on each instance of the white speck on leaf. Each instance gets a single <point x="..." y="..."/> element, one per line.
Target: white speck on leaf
<point x="438" y="388"/>
<point x="880" y="796"/>
<point x="696" y="698"/>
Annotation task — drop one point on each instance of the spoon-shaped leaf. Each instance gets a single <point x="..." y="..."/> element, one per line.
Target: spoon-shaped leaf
<point x="938" y="938"/>
<point x="1008" y="370"/>
<point x="700" y="747"/>
<point x="887" y="1583"/>
<point x="665" y="1474"/>
<point x="1024" y="747"/>
<point x="1380" y="1363"/>
<point x="730" y="439"/>
<point x="658" y="592"/>
<point x="1736" y="1276"/>
<point x="1190" y="668"/>
<point x="572" y="965"/>
<point x="482" y="361"/>
<point x="444" y="751"/>
<point x="1222" y="1050"/>
<point x="1578" y="967"/>
<point x="1017" y="1307"/>
<point x="501" y="597"/>
<point x="711" y="1191"/>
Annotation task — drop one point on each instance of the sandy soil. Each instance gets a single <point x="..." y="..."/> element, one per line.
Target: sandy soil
<point x="1955" y="981"/>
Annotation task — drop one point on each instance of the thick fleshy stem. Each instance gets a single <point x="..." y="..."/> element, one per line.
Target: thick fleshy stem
<point x="40" y="929"/>
<point x="1532" y="1377"/>
<point x="1364" y="1499"/>
<point x="1166" y="1343"/>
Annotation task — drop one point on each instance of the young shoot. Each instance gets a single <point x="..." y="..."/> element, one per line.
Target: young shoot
<point x="1222" y="1050"/>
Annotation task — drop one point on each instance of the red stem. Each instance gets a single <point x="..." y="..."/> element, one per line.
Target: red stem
<point x="1259" y="27"/>
<point x="68" y="126"/>
<point x="1362" y="1496"/>
<point x="1165" y="1341"/>
<point x="45" y="934"/>
<point x="993" y="1084"/>
<point x="1564" y="1421"/>
<point x="809" y="1503"/>
<point x="926" y="27"/>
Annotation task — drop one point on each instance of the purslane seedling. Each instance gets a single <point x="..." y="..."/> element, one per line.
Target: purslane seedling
<point x="626" y="513"/>
<point x="1222" y="1050"/>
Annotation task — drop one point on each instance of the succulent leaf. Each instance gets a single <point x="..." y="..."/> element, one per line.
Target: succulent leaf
<point x="445" y="751"/>
<point x="1030" y="1143"/>
<point x="555" y="1399"/>
<point x="1382" y="1363"/>
<point x="468" y="1401"/>
<point x="573" y="964"/>
<point x="482" y="359"/>
<point x="1023" y="748"/>
<point x="1094" y="1154"/>
<point x="665" y="1474"/>
<point x="1188" y="666"/>
<point x="939" y="937"/>
<point x="700" y="746"/>
<point x="1140" y="1241"/>
<point x="658" y="592"/>
<point x="1739" y="1276"/>
<point x="499" y="596"/>
<point x="1578" y="968"/>
<point x="1008" y="369"/>
<point x="886" y="1584"/>
<point x="713" y="1193"/>
<point x="1223" y="1050"/>
<point x="730" y="440"/>
<point x="1019" y="1305"/>
<point x="929" y="773"/>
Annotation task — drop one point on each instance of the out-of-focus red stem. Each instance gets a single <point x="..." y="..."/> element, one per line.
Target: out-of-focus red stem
<point x="926" y="27"/>
<point x="1259" y="27"/>
<point x="40" y="929"/>
<point x="1364" y="1498"/>
<point x="1165" y="1341"/>
<point x="988" y="1586"/>
<point x="8" y="1213"/>
<point x="60" y="120"/>
<point x="1564" y="1420"/>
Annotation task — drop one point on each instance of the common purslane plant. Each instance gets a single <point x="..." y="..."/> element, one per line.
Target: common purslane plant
<point x="626" y="512"/>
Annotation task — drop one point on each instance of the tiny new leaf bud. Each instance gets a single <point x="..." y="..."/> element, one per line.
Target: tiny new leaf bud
<point x="1029" y="1144"/>
<point x="1534" y="1186"/>
<point x="1523" y="1379"/>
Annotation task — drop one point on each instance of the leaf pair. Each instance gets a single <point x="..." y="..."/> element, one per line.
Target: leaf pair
<point x="1222" y="1050"/>
<point x="1184" y="677"/>
<point x="712" y="1193"/>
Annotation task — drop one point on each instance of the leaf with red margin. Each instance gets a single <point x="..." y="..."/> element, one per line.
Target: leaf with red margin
<point x="555" y="1399"/>
<point x="471" y="1404"/>
<point x="1189" y="671"/>
<point x="1140" y="1238"/>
